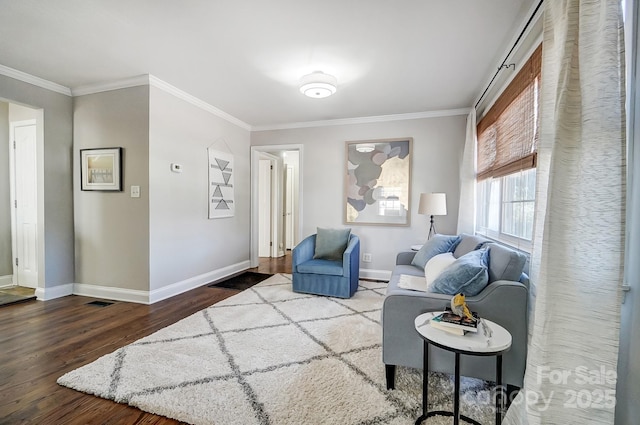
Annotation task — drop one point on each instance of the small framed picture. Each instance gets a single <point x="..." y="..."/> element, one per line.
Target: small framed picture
<point x="101" y="169"/>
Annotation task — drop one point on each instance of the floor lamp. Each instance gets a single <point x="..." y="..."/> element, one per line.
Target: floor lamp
<point x="432" y="204"/>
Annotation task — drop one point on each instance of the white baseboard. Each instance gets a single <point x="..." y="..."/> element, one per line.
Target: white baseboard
<point x="195" y="282"/>
<point x="111" y="293"/>
<point x="150" y="297"/>
<point x="53" y="292"/>
<point x="6" y="281"/>
<point x="375" y="274"/>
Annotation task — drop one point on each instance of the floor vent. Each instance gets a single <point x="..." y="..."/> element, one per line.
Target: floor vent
<point x="99" y="303"/>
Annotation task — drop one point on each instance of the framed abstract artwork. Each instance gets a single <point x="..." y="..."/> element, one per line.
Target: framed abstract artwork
<point x="377" y="182"/>
<point x="101" y="169"/>
<point x="221" y="190"/>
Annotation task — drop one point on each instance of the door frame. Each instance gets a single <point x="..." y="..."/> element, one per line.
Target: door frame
<point x="256" y="152"/>
<point x="13" y="195"/>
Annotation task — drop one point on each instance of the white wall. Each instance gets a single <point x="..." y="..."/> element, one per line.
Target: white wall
<point x="437" y="149"/>
<point x="186" y="248"/>
<point x="21" y="113"/>
<point x="111" y="228"/>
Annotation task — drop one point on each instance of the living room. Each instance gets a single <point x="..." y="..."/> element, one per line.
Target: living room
<point x="152" y="248"/>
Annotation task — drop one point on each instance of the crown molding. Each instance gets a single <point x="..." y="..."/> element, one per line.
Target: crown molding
<point x="150" y="80"/>
<point x="164" y="86"/>
<point x="139" y="80"/>
<point x="36" y="81"/>
<point x="364" y="120"/>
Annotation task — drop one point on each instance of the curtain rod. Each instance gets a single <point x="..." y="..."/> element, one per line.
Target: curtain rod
<point x="503" y="65"/>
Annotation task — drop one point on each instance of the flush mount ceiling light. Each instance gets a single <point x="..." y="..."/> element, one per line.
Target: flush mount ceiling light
<point x="318" y="85"/>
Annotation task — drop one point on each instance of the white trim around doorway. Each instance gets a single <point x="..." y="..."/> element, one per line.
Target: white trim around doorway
<point x="255" y="156"/>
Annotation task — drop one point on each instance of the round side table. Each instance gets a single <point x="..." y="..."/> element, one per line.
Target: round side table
<point x="490" y="340"/>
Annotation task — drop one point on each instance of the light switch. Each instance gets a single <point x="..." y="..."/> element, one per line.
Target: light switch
<point x="135" y="191"/>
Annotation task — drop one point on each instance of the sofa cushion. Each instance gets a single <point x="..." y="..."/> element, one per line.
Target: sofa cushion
<point x="469" y="243"/>
<point x="438" y="244"/>
<point x="468" y="275"/>
<point x="505" y="263"/>
<point x="436" y="266"/>
<point x="331" y="243"/>
<point x="319" y="266"/>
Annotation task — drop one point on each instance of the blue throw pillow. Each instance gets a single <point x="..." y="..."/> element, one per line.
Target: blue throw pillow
<point x="468" y="275"/>
<point x="331" y="243"/>
<point x="438" y="244"/>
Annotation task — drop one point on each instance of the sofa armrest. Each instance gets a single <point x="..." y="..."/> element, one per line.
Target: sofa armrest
<point x="503" y="302"/>
<point x="405" y="257"/>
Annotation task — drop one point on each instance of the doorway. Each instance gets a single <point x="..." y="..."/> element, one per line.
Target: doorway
<point x="21" y="182"/>
<point x="269" y="207"/>
<point x="276" y="199"/>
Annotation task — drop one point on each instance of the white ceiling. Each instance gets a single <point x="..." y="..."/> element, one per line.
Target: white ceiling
<point x="246" y="57"/>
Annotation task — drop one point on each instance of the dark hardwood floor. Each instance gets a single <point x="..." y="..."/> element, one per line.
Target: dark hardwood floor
<point x="274" y="265"/>
<point x="40" y="341"/>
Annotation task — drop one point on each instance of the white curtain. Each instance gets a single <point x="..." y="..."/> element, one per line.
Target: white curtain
<point x="467" y="208"/>
<point x="577" y="260"/>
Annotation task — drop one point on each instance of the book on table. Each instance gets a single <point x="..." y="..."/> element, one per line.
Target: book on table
<point x="454" y="331"/>
<point x="451" y="320"/>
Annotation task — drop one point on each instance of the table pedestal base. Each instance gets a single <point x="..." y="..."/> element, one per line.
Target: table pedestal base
<point x="445" y="413"/>
<point x="456" y="395"/>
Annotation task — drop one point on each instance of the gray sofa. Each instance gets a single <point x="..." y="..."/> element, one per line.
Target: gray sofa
<point x="503" y="301"/>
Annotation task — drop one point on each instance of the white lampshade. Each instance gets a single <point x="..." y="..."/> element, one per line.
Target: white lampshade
<point x="318" y="85"/>
<point x="433" y="204"/>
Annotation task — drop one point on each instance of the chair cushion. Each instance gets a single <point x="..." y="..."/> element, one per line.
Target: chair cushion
<point x="331" y="243"/>
<point x="468" y="275"/>
<point x="438" y="244"/>
<point x="319" y="266"/>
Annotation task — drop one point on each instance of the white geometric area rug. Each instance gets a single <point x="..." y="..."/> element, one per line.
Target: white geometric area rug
<point x="269" y="355"/>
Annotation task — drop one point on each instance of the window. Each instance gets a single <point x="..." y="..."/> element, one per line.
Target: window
<point x="506" y="179"/>
<point x="505" y="208"/>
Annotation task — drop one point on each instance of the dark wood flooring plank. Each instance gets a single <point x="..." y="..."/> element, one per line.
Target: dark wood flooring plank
<point x="41" y="341"/>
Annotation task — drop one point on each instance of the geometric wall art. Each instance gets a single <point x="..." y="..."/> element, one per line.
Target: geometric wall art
<point x="221" y="192"/>
<point x="377" y="182"/>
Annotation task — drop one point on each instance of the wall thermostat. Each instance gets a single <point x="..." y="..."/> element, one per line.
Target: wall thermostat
<point x="176" y="168"/>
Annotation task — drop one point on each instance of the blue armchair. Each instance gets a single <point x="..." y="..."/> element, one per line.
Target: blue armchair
<point x="326" y="277"/>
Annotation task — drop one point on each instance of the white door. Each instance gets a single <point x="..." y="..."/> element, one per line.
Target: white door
<point x="25" y="202"/>
<point x="277" y="215"/>
<point x="288" y="208"/>
<point x="264" y="208"/>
